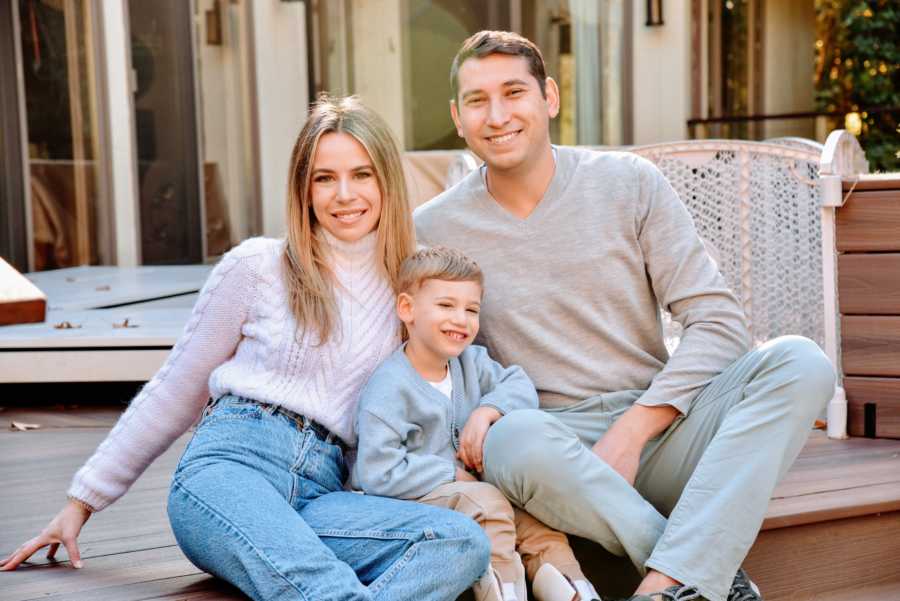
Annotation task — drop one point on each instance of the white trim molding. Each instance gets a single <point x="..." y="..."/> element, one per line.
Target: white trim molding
<point x="282" y="90"/>
<point x="842" y="159"/>
<point x="123" y="186"/>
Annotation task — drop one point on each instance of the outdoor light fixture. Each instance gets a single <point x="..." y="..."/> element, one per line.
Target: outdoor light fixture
<point x="654" y="13"/>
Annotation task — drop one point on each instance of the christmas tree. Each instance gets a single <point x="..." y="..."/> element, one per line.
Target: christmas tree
<point x="858" y="73"/>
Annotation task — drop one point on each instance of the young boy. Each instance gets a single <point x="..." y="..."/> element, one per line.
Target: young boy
<point x="423" y="417"/>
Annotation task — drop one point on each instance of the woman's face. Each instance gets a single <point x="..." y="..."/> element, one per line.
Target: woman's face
<point x="345" y="195"/>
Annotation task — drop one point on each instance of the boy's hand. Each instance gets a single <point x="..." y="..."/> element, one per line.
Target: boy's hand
<point x="464" y="476"/>
<point x="471" y="441"/>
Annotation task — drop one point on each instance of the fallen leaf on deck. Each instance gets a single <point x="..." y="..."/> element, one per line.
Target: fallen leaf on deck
<point x="820" y="425"/>
<point x="23" y="427"/>
<point x="66" y="325"/>
<point x="125" y="324"/>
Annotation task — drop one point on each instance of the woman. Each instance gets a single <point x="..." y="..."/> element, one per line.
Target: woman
<point x="283" y="336"/>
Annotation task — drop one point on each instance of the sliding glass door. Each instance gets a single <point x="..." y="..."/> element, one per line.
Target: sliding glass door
<point x="69" y="209"/>
<point x="192" y="102"/>
<point x="396" y="55"/>
<point x="13" y="222"/>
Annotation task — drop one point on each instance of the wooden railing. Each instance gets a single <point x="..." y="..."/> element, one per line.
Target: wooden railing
<point x="731" y="126"/>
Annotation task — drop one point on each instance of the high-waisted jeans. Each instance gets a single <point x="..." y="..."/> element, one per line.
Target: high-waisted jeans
<point x="258" y="501"/>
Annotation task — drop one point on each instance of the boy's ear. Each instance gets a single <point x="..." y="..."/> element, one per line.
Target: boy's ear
<point x="404" y="307"/>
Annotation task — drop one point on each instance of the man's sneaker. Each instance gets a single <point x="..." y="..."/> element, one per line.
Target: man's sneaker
<point x="743" y="589"/>
<point x="678" y="592"/>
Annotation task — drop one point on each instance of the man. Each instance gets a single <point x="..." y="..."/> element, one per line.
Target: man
<point x="668" y="460"/>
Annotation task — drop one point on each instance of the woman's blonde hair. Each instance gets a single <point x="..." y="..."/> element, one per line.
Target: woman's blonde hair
<point x="309" y="279"/>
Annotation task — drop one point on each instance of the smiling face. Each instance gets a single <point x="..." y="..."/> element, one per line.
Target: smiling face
<point x="501" y="112"/>
<point x="441" y="317"/>
<point x="346" y="198"/>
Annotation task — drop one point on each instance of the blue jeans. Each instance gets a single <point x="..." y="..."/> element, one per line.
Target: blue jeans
<point x="257" y="500"/>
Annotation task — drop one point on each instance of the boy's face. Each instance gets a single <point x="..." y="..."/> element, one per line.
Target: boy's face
<point x="501" y="112"/>
<point x="441" y="316"/>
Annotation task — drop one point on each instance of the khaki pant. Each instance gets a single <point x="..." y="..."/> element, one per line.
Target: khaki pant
<point x="508" y="528"/>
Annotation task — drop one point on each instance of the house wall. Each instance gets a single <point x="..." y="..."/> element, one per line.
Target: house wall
<point x="376" y="30"/>
<point x="282" y="94"/>
<point x="661" y="64"/>
<point x="789" y="39"/>
<point x="224" y="97"/>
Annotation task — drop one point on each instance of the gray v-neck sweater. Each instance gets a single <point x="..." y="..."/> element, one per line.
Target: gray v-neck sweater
<point x="573" y="290"/>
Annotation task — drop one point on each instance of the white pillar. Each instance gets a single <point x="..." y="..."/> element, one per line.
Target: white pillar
<point x="832" y="198"/>
<point x="116" y="56"/>
<point x="377" y="33"/>
<point x="282" y="99"/>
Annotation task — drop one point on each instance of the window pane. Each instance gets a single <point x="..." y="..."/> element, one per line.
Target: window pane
<point x="433" y="32"/>
<point x="165" y="124"/>
<point x="582" y="43"/>
<point x="224" y="86"/>
<point x="69" y="209"/>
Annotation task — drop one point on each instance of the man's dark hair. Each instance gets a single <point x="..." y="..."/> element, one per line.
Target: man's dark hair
<point x="485" y="43"/>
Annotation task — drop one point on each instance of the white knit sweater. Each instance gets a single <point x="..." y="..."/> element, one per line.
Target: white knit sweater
<point x="242" y="339"/>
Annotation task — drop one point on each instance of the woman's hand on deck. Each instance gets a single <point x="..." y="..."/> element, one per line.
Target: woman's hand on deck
<point x="471" y="441"/>
<point x="62" y="530"/>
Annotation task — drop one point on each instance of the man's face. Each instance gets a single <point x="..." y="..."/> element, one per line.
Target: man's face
<point x="501" y="112"/>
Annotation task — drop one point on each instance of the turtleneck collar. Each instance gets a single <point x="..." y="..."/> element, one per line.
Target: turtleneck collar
<point x="358" y="251"/>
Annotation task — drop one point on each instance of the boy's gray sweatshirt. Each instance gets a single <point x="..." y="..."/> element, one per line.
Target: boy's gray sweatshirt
<point x="572" y="292"/>
<point x="409" y="431"/>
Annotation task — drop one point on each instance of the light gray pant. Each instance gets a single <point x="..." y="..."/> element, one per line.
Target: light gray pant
<point x="712" y="472"/>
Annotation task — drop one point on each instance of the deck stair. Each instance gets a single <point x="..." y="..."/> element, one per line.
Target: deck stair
<point x="833" y="526"/>
<point x="832" y="532"/>
<point x="102" y="323"/>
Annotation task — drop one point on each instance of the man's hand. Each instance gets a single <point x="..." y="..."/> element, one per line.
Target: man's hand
<point x="471" y="441"/>
<point x="464" y="476"/>
<point x="621" y="446"/>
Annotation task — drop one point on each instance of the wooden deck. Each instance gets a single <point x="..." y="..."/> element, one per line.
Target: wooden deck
<point x="837" y="488"/>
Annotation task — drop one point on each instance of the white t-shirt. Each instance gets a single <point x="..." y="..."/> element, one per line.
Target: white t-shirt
<point x="445" y="385"/>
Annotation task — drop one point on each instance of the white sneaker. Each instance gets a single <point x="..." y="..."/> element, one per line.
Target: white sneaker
<point x="549" y="584"/>
<point x="509" y="592"/>
<point x="586" y="591"/>
<point x="488" y="587"/>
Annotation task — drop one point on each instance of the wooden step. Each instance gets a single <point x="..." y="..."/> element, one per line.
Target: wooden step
<point x="833" y="523"/>
<point x="837" y="479"/>
<point x="882" y="591"/>
<point x="20" y="300"/>
<point x="832" y="530"/>
<point x="817" y="558"/>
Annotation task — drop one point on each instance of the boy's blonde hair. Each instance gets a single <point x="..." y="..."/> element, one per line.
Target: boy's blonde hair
<point x="437" y="263"/>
